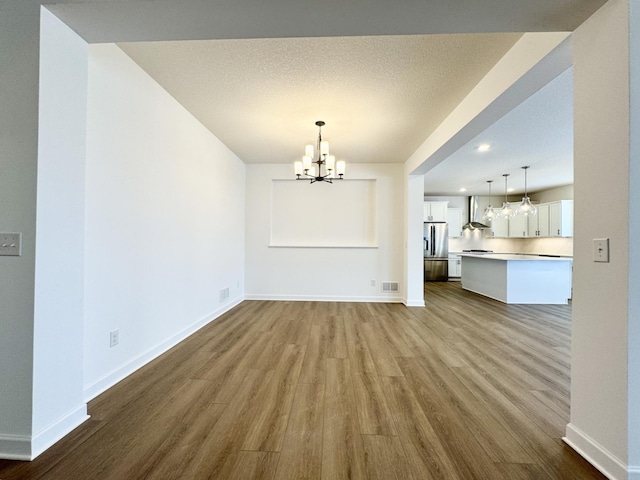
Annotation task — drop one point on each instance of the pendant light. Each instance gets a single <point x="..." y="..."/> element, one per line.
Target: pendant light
<point x="507" y="210"/>
<point x="526" y="208"/>
<point x="489" y="213"/>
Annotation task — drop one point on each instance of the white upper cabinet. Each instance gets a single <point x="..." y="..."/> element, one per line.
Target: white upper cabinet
<point x="539" y="224"/>
<point x="519" y="226"/>
<point x="553" y="219"/>
<point x="454" y="218"/>
<point x="561" y="218"/>
<point x="500" y="227"/>
<point x="435" y="211"/>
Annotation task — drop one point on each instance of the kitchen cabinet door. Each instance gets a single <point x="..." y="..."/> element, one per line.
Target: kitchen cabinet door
<point x="561" y="218"/>
<point x="518" y="226"/>
<point x="539" y="224"/>
<point x="435" y="211"/>
<point x="454" y="219"/>
<point x="455" y="266"/>
<point x="500" y="227"/>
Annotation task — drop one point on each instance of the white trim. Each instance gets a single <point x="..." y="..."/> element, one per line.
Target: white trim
<point x="15" y="447"/>
<point x="321" y="298"/>
<point x="634" y="473"/>
<point x="598" y="456"/>
<point x="372" y="246"/>
<point x="26" y="448"/>
<point x="58" y="429"/>
<point x="413" y="303"/>
<point x="118" y="374"/>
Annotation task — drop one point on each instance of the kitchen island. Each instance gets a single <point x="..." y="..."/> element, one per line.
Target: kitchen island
<point x="514" y="278"/>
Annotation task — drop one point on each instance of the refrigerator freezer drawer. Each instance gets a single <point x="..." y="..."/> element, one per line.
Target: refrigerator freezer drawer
<point x="436" y="270"/>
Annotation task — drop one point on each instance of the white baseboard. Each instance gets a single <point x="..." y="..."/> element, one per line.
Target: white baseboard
<point x="61" y="427"/>
<point x="598" y="456"/>
<point x="413" y="303"/>
<point x="15" y="447"/>
<point x="25" y="447"/>
<point x="321" y="298"/>
<point x="113" y="377"/>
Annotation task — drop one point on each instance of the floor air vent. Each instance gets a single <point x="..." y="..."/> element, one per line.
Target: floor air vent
<point x="389" y="286"/>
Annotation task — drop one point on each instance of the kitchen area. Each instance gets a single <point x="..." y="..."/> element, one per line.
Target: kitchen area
<point x="520" y="259"/>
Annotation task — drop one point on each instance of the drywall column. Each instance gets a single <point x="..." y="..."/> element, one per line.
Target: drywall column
<point x="19" y="26"/>
<point x="414" y="259"/>
<point x="58" y="403"/>
<point x="604" y="378"/>
<point x="633" y="362"/>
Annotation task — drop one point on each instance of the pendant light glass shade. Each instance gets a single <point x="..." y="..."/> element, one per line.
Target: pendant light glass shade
<point x="507" y="210"/>
<point x="489" y="213"/>
<point x="526" y="208"/>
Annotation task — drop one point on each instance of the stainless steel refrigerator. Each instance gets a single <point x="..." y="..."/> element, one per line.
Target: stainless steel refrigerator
<point x="436" y="252"/>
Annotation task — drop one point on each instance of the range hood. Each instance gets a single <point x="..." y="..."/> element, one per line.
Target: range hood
<point x="474" y="216"/>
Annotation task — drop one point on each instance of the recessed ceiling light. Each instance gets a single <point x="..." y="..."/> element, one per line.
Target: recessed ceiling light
<point x="510" y="189"/>
<point x="483" y="147"/>
<point x="463" y="189"/>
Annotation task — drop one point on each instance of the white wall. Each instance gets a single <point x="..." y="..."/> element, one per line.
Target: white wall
<point x="553" y="194"/>
<point x="19" y="27"/>
<point x="633" y="361"/>
<point x="165" y="203"/>
<point x="58" y="404"/>
<point x="324" y="273"/>
<point x="599" y="392"/>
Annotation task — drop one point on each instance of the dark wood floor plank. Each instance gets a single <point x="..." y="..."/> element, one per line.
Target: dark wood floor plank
<point x="272" y="405"/>
<point x="301" y="456"/>
<point x="255" y="466"/>
<point x="382" y="356"/>
<point x="371" y="403"/>
<point x="386" y="459"/>
<point x="211" y="448"/>
<point x="469" y="458"/>
<point x="315" y="358"/>
<point x="426" y="456"/>
<point x="359" y="354"/>
<point x="337" y="338"/>
<point x="343" y="454"/>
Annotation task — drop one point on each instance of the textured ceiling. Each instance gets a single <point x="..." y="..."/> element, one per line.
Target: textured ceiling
<point x="380" y="96"/>
<point x="537" y="133"/>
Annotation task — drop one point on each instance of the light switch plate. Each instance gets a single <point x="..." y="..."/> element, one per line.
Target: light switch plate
<point x="11" y="244"/>
<point x="601" y="250"/>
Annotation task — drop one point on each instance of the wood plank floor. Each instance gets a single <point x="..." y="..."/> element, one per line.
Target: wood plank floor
<point x="466" y="388"/>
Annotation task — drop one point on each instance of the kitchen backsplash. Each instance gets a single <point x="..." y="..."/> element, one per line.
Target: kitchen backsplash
<point x="475" y="240"/>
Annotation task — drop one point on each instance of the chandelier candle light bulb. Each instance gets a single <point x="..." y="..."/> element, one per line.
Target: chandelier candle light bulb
<point x="305" y="170"/>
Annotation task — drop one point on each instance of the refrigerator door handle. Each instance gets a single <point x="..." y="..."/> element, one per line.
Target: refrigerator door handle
<point x="433" y="240"/>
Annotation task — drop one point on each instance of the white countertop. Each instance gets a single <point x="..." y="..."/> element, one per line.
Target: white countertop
<point x="514" y="256"/>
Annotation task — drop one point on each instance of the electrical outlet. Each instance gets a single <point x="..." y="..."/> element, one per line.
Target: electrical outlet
<point x="114" y="338"/>
<point x="373" y="283"/>
<point x="11" y="244"/>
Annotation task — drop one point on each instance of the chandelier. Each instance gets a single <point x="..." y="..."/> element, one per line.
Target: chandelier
<point x="304" y="170"/>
